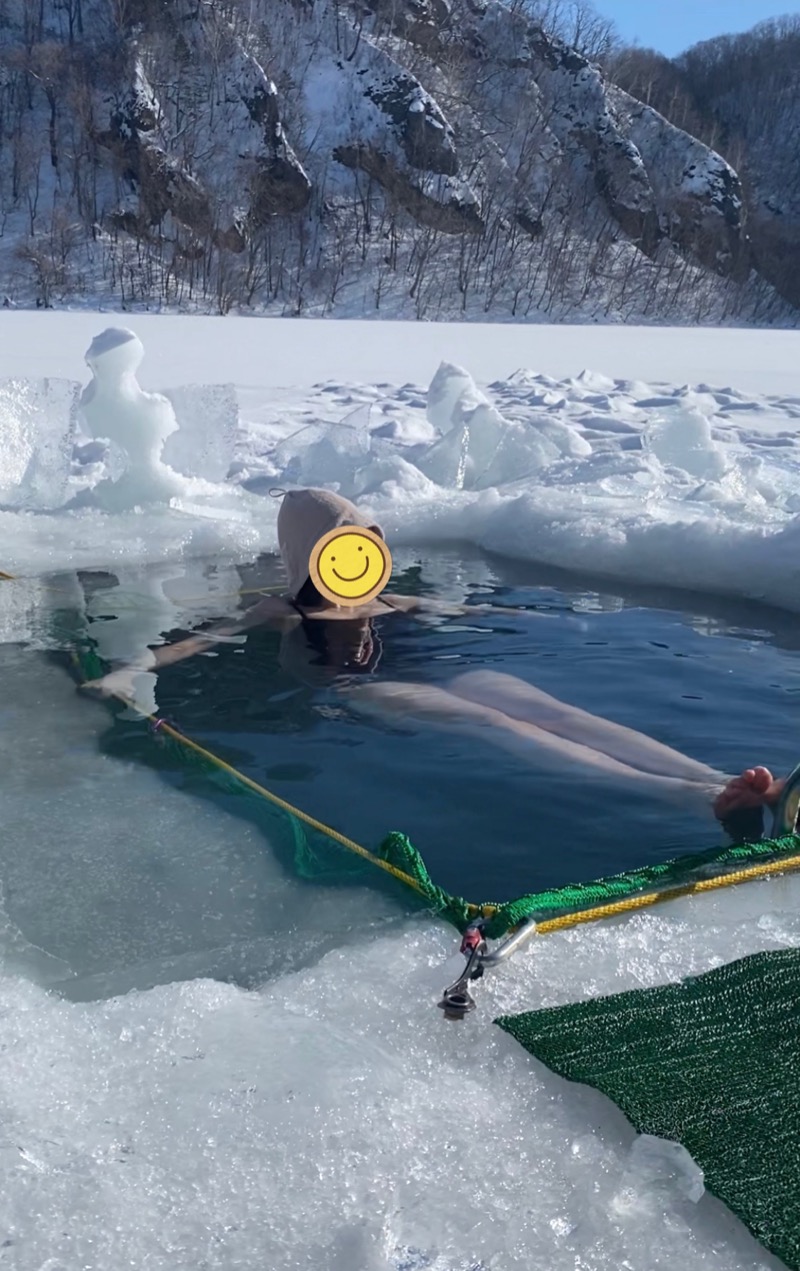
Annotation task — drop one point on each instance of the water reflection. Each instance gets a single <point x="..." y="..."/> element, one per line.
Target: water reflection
<point x="708" y="615"/>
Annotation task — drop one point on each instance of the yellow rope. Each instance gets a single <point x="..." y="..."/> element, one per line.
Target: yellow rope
<point x="631" y="903"/>
<point x="484" y="911"/>
<point x="216" y="762"/>
<point x="628" y="905"/>
<point x="211" y="758"/>
<point x="550" y="926"/>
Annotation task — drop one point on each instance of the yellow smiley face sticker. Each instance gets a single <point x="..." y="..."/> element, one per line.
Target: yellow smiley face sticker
<point x="350" y="565"/>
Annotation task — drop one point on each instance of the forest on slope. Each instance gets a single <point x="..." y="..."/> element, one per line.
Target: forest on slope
<point x="416" y="158"/>
<point x="740" y="94"/>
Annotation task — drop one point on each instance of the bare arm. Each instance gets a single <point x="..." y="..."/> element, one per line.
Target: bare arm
<point x="419" y="605"/>
<point x="266" y="611"/>
<point x="120" y="682"/>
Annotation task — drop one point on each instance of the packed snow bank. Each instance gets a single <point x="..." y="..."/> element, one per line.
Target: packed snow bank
<point x="691" y="487"/>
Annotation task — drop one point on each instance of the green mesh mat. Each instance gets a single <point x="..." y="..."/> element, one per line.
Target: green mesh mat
<point x="711" y="1063"/>
<point x="311" y="854"/>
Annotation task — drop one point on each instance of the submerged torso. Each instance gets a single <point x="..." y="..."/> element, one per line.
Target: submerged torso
<point x="317" y="651"/>
<point x="306" y="649"/>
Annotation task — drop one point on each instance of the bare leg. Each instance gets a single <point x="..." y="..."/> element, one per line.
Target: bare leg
<point x="516" y="698"/>
<point x="755" y="787"/>
<point x="443" y="709"/>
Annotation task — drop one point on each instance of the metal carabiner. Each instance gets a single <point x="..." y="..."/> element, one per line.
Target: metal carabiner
<point x="457" y="1001"/>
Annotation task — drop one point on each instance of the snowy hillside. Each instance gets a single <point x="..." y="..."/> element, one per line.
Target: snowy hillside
<point x="763" y="127"/>
<point x="428" y="158"/>
<point x="740" y="94"/>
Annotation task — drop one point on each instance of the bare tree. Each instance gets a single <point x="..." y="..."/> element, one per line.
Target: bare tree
<point x="576" y="22"/>
<point x="73" y="11"/>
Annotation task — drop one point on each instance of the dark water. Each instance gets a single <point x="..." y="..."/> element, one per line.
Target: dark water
<point x="717" y="681"/>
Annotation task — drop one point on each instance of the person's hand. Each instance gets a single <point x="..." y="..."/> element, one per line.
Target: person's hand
<point x="119" y="683"/>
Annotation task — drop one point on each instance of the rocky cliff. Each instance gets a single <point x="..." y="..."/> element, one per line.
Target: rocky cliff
<point x="296" y="152"/>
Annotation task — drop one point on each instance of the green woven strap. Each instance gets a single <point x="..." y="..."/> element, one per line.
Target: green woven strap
<point x="573" y="897"/>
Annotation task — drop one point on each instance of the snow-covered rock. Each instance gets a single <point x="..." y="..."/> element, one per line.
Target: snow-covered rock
<point x="248" y="152"/>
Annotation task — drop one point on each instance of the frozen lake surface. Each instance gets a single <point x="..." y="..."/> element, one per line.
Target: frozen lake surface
<point x="207" y="1063"/>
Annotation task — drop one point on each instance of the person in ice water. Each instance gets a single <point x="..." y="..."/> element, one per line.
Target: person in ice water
<point x="322" y="642"/>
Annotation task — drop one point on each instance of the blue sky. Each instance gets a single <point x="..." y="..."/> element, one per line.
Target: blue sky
<point x="672" y="25"/>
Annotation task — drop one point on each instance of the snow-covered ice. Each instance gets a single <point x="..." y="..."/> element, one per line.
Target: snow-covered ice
<point x="330" y="454"/>
<point x="687" y="484"/>
<point x="37" y="426"/>
<point x="156" y="1117"/>
<point x="478" y="448"/>
<point x="330" y="1118"/>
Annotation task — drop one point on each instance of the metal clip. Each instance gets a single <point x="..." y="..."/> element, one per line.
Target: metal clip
<point x="457" y="1001"/>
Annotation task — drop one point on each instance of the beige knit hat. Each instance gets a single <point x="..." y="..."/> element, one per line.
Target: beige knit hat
<point x="304" y="516"/>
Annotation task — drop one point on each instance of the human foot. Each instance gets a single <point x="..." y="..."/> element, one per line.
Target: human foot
<point x="755" y="788"/>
